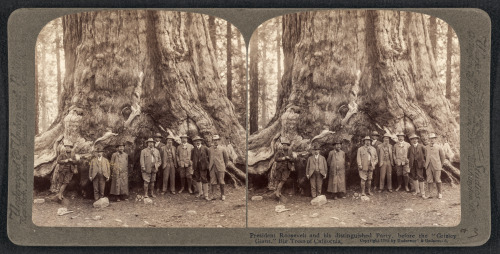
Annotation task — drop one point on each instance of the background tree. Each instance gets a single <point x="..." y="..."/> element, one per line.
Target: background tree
<point x="254" y="82"/>
<point x="130" y="74"/>
<point x="347" y="73"/>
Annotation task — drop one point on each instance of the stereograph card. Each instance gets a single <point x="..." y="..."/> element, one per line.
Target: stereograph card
<point x="249" y="127"/>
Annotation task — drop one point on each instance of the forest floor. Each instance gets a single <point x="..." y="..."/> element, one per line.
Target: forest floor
<point x="166" y="211"/>
<point x="385" y="209"/>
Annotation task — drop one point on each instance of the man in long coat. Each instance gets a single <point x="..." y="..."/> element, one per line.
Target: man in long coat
<point x="185" y="169"/>
<point x="367" y="159"/>
<point x="316" y="171"/>
<point x="400" y="155"/>
<point x="336" y="175"/>
<point x="168" y="165"/>
<point x="385" y="162"/>
<point x="200" y="159"/>
<point x="67" y="167"/>
<point x="218" y="159"/>
<point x="376" y="170"/>
<point x="416" y="158"/>
<point x="99" y="173"/>
<point x="119" y="173"/>
<point x="159" y="175"/>
<point x="434" y="164"/>
<point x="150" y="163"/>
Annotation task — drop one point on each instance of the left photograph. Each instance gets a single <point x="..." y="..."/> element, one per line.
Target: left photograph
<point x="140" y="121"/>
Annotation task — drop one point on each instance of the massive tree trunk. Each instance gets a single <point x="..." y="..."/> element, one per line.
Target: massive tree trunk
<point x="130" y="74"/>
<point x="433" y="33"/>
<point x="278" y="47"/>
<point x="449" y="52"/>
<point x="254" y="83"/>
<point x="347" y="73"/>
<point x="263" y="80"/>
<point x="229" y="67"/>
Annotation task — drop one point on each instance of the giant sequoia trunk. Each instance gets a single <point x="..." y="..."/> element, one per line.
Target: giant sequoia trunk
<point x="348" y="73"/>
<point x="130" y="74"/>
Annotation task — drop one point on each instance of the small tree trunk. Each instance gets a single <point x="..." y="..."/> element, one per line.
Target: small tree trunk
<point x="254" y="82"/>
<point x="213" y="31"/>
<point x="263" y="82"/>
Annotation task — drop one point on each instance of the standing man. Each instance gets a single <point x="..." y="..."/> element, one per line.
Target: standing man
<point x="217" y="164"/>
<point x="119" y="179"/>
<point x="169" y="164"/>
<point x="150" y="162"/>
<point x="400" y="154"/>
<point x="367" y="159"/>
<point x="376" y="170"/>
<point x="336" y="176"/>
<point x="200" y="158"/>
<point x="67" y="167"/>
<point x="284" y="164"/>
<point x="159" y="176"/>
<point x="386" y="162"/>
<point x="185" y="169"/>
<point x="316" y="171"/>
<point x="416" y="158"/>
<point x="434" y="164"/>
<point x="99" y="172"/>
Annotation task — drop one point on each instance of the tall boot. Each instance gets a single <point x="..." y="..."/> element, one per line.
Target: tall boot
<point x="222" y="197"/>
<point x="400" y="182"/>
<point x="363" y="188"/>
<point x="189" y="181"/>
<point x="152" y="188"/>
<point x="60" y="195"/>
<point x="214" y="189"/>
<point x="422" y="189"/>
<point x="205" y="191"/>
<point x="416" y="187"/>
<point x="429" y="192"/>
<point x="146" y="184"/>
<point x="200" y="190"/>
<point x="369" y="187"/>
<point x="406" y="179"/>
<point x="438" y="186"/>
<point x="278" y="189"/>
<point x="182" y="184"/>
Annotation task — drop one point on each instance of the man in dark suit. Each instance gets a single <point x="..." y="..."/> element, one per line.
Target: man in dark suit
<point x="200" y="159"/>
<point x="416" y="158"/>
<point x="376" y="170"/>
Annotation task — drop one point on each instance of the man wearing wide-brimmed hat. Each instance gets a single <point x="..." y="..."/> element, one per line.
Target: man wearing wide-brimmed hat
<point x="168" y="165"/>
<point x="284" y="165"/>
<point x="185" y="169"/>
<point x="99" y="173"/>
<point x="200" y="159"/>
<point x="367" y="159"/>
<point x="434" y="164"/>
<point x="150" y="163"/>
<point x="218" y="159"/>
<point x="158" y="138"/>
<point x="336" y="175"/>
<point x="119" y="173"/>
<point x="67" y="167"/>
<point x="376" y="170"/>
<point x="416" y="160"/>
<point x="385" y="162"/>
<point x="316" y="171"/>
<point x="400" y="154"/>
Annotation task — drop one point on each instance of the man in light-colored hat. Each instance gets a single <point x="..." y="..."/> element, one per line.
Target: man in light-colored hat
<point x="200" y="158"/>
<point x="385" y="162"/>
<point x="434" y="164"/>
<point x="367" y="159"/>
<point x="150" y="163"/>
<point x="316" y="171"/>
<point x="119" y="173"/>
<point x="185" y="169"/>
<point x="336" y="176"/>
<point x="169" y="164"/>
<point x="416" y="160"/>
<point x="284" y="164"/>
<point x="218" y="159"/>
<point x="400" y="154"/>
<point x="67" y="167"/>
<point x="376" y="170"/>
<point x="158" y="138"/>
<point x="99" y="173"/>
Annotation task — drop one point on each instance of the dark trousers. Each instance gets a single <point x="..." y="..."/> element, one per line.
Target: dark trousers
<point x="99" y="183"/>
<point x="376" y="176"/>
<point x="316" y="184"/>
<point x="200" y="175"/>
<point x="159" y="180"/>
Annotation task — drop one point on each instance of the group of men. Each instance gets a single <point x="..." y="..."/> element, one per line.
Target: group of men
<point x="198" y="167"/>
<point x="415" y="165"/>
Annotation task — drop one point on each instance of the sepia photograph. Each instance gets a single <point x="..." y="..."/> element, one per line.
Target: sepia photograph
<point x="140" y="121"/>
<point x="354" y="121"/>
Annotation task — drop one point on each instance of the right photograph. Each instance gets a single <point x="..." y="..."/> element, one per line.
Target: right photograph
<point x="354" y="121"/>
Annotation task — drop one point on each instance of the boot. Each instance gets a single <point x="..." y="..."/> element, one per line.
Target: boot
<point x="214" y="189"/>
<point x="422" y="189"/>
<point x="438" y="186"/>
<point x="406" y="180"/>
<point x="60" y="195"/>
<point x="222" y="197"/>
<point x="416" y="187"/>
<point x="400" y="182"/>
<point x="200" y="191"/>
<point x="278" y="189"/>
<point x="205" y="191"/>
<point x="153" y="190"/>
<point x="363" y="188"/>
<point x="189" y="185"/>
<point x="146" y="190"/>
<point x="182" y="185"/>
<point x="369" y="186"/>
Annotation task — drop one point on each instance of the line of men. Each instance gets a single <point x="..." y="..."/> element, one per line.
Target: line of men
<point x="159" y="165"/>
<point x="414" y="163"/>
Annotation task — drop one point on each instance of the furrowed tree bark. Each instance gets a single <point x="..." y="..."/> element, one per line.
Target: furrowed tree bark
<point x="254" y="82"/>
<point x="278" y="47"/>
<point x="262" y="81"/>
<point x="130" y="74"/>
<point x="433" y="32"/>
<point x="229" y="66"/>
<point x="347" y="73"/>
<point x="449" y="52"/>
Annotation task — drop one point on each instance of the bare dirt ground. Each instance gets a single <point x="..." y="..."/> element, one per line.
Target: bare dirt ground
<point x="166" y="211"/>
<point x="396" y="209"/>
